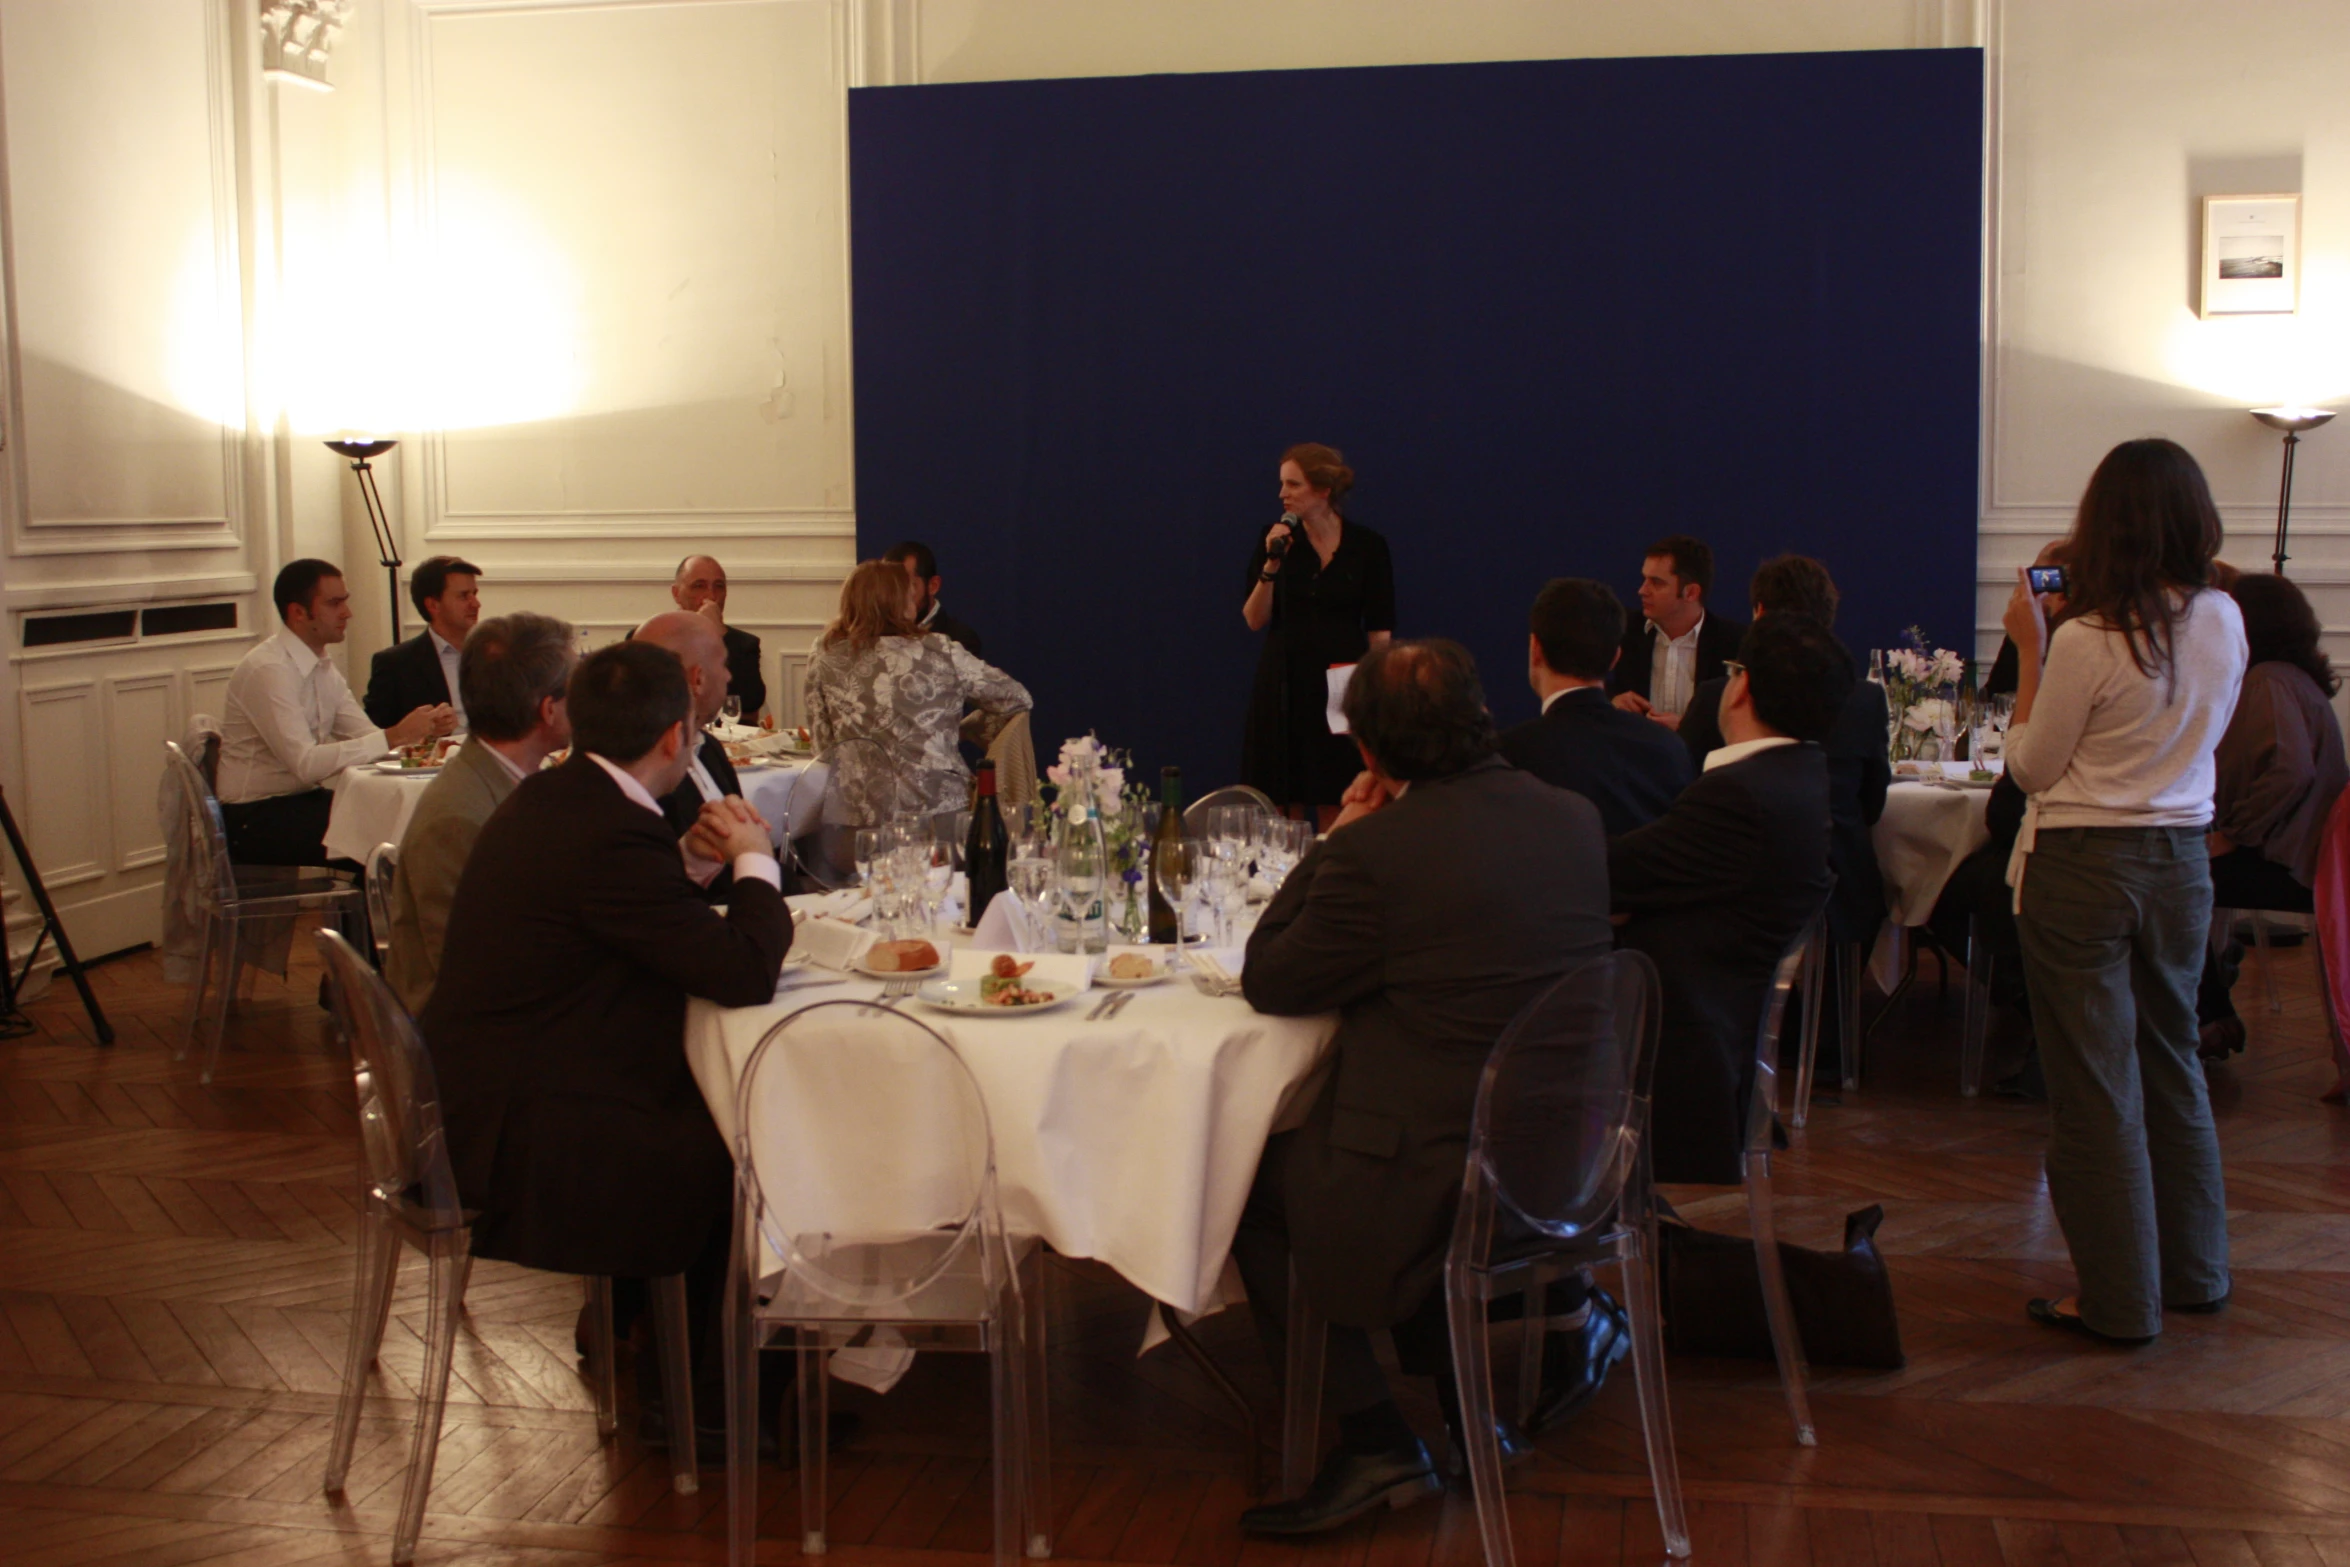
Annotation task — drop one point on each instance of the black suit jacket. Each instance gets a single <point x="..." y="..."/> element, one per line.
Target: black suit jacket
<point x="682" y="807"/>
<point x="557" y="1027"/>
<point x="403" y="678"/>
<point x="744" y="678"/>
<point x="1717" y="641"/>
<point x="1427" y="926"/>
<point x="1718" y="888"/>
<point x="1629" y="766"/>
<point x="1858" y="775"/>
<point x="946" y="625"/>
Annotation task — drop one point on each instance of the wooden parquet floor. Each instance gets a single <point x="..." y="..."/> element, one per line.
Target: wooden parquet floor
<point x="175" y="1268"/>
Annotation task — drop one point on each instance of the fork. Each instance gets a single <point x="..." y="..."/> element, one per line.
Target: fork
<point x="894" y="991"/>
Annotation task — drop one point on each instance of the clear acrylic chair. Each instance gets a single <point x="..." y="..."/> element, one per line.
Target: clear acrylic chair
<point x="852" y="785"/>
<point x="409" y="1199"/>
<point x="1818" y="950"/>
<point x="1982" y="966"/>
<point x="1755" y="1164"/>
<point x="1195" y="815"/>
<point x="383" y="863"/>
<point x="865" y="1197"/>
<point x="237" y="895"/>
<point x="1556" y="1179"/>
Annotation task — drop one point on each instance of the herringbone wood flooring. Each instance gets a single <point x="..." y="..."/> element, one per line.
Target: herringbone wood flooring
<point x="175" y="1266"/>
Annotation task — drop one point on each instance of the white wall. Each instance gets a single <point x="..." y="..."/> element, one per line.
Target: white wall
<point x="587" y="260"/>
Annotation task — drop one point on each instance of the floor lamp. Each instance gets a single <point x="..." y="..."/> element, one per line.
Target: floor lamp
<point x="2292" y="421"/>
<point x="358" y="451"/>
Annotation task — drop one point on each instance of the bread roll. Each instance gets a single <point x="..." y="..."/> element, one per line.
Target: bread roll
<point x="900" y="957"/>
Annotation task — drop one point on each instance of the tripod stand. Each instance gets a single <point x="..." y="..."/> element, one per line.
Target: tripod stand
<point x="13" y="1023"/>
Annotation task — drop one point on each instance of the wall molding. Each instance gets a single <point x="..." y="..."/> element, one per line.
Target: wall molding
<point x="660" y="573"/>
<point x="101" y="593"/>
<point x="819" y="522"/>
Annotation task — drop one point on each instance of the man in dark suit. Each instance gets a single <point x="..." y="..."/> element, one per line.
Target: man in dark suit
<point x="709" y="775"/>
<point x="700" y="586"/>
<point x="1451" y="891"/>
<point x="930" y="614"/>
<point x="422" y="671"/>
<point x="1678" y="645"/>
<point x="557" y="1026"/>
<point x="1627" y="766"/>
<point x="1720" y="886"/>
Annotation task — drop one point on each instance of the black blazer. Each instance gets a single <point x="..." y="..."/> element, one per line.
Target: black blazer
<point x="403" y="678"/>
<point x="1718" y="888"/>
<point x="1858" y="775"/>
<point x="946" y="625"/>
<point x="1717" y="641"/>
<point x="557" y="1026"/>
<point x="1427" y="926"/>
<point x="682" y="807"/>
<point x="744" y="678"/>
<point x="1629" y="766"/>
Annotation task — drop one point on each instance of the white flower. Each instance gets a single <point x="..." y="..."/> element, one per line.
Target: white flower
<point x="1108" y="786"/>
<point x="1922" y="716"/>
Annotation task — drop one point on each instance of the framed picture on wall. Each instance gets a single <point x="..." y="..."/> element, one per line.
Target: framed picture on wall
<point x="2251" y="255"/>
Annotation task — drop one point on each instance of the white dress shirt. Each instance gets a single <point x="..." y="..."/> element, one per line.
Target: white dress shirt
<point x="290" y="723"/>
<point x="1724" y="755"/>
<point x="449" y="651"/>
<point x="758" y="867"/>
<point x="1672" y="670"/>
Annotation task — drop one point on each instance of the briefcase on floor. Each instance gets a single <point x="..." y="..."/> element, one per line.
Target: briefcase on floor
<point x="1713" y="1305"/>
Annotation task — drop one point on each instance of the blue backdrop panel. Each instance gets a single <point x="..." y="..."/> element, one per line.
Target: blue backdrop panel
<point x="1550" y="311"/>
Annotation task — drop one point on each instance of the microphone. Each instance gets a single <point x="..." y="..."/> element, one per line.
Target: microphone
<point x="1280" y="546"/>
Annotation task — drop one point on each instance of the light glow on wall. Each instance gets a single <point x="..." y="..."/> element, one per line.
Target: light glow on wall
<point x="2255" y="361"/>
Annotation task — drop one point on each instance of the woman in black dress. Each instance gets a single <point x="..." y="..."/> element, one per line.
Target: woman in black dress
<point x="1326" y="590"/>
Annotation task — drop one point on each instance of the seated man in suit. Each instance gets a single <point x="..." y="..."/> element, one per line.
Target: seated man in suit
<point x="1628" y="767"/>
<point x="930" y="614"/>
<point x="1678" y="646"/>
<point x="700" y="586"/>
<point x="709" y="775"/>
<point x="1719" y="887"/>
<point x="1452" y="890"/>
<point x="422" y="671"/>
<point x="558" y="1025"/>
<point x="290" y="723"/>
<point x="513" y="674"/>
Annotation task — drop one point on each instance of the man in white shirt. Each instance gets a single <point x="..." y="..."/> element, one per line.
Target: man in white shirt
<point x="291" y="724"/>
<point x="1678" y="646"/>
<point x="422" y="671"/>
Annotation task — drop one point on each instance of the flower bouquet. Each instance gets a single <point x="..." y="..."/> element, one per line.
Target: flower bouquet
<point x="1090" y="792"/>
<point x="1920" y="688"/>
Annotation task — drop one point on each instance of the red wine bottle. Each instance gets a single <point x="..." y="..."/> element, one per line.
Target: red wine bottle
<point x="1165" y="927"/>
<point x="985" y="850"/>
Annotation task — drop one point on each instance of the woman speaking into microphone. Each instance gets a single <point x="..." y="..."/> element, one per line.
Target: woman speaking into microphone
<point x="1323" y="590"/>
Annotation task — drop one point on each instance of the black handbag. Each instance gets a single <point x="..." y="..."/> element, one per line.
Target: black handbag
<point x="1843" y="1301"/>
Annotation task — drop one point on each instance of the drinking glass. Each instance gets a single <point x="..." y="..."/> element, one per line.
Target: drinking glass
<point x="1946" y="726"/>
<point x="1176" y="866"/>
<point x="731" y="710"/>
<point x="1028" y="876"/>
<point x="867" y="849"/>
<point x="1078" y="875"/>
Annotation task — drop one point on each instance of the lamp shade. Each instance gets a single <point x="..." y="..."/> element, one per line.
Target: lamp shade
<point x="2292" y="420"/>
<point x="360" y="449"/>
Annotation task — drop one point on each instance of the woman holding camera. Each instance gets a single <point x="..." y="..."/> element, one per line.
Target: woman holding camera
<point x="1323" y="588"/>
<point x="2118" y="713"/>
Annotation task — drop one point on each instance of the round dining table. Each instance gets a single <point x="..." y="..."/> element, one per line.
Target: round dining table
<point x="1926" y="832"/>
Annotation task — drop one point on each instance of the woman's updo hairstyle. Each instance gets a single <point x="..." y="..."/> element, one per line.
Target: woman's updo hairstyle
<point x="1324" y="468"/>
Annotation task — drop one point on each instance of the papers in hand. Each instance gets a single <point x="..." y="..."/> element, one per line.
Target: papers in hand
<point x="1339" y="676"/>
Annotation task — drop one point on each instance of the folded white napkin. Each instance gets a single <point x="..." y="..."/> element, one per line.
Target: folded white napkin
<point x="830" y="942"/>
<point x="1009" y="926"/>
<point x="849" y="904"/>
<point x="1220" y="964"/>
<point x="1061" y="970"/>
<point x="878" y="1364"/>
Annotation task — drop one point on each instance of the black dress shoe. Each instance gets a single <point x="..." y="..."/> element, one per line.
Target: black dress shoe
<point x="1575" y="1363"/>
<point x="1515" y="1449"/>
<point x="1348" y="1486"/>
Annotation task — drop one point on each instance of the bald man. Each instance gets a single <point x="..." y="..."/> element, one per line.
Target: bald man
<point x="701" y="587"/>
<point x="695" y="639"/>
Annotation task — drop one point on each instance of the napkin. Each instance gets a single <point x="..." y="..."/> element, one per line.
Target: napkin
<point x="1061" y="970"/>
<point x="848" y="904"/>
<point x="1222" y="965"/>
<point x="831" y="942"/>
<point x="1009" y="926"/>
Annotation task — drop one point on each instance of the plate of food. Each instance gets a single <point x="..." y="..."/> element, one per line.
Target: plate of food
<point x="1133" y="970"/>
<point x="416" y="761"/>
<point x="992" y="995"/>
<point x="900" y="959"/>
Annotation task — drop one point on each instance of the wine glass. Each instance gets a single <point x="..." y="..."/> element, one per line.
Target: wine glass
<point x="1946" y="727"/>
<point x="731" y="710"/>
<point x="866" y="846"/>
<point x="1176" y="866"/>
<point x="1077" y="875"/>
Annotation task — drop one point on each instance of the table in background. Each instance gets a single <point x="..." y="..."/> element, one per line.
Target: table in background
<point x="1927" y="831"/>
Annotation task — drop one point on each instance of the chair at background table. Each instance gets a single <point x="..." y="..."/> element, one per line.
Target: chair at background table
<point x="850" y="786"/>
<point x="1755" y="1166"/>
<point x="1195" y="815"/>
<point x="1557" y="1178"/>
<point x="409" y="1199"/>
<point x="865" y="1177"/>
<point x="234" y="895"/>
<point x="383" y="863"/>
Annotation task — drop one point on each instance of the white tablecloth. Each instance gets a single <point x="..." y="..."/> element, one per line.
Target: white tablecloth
<point x="371" y="808"/>
<point x="1924" y="834"/>
<point x="1132" y="1141"/>
<point x="768" y="789"/>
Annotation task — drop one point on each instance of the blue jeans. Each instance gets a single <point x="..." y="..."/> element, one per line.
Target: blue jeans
<point x="2112" y="928"/>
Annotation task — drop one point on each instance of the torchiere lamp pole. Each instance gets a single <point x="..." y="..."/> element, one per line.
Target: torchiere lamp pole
<point x="2292" y="421"/>
<point x="358" y="451"/>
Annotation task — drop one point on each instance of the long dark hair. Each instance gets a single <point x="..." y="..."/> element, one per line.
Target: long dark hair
<point x="2142" y="544"/>
<point x="2281" y="628"/>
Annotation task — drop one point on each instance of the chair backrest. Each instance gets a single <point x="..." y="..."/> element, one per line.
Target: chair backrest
<point x="851" y="785"/>
<point x="1562" y="1110"/>
<point x="216" y="880"/>
<point x="1762" y="1109"/>
<point x="404" y="1157"/>
<point x="859" y="1130"/>
<point x="1195" y="815"/>
<point x="383" y="863"/>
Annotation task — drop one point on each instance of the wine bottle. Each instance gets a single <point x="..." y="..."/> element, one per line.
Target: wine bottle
<point x="985" y="849"/>
<point x="1165" y="927"/>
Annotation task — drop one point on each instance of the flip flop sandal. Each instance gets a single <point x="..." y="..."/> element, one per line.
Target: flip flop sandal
<point x="2045" y="1311"/>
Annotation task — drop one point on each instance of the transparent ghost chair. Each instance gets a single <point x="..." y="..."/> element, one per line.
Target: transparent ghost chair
<point x="383" y="864"/>
<point x="851" y="785"/>
<point x="865" y="1197"/>
<point x="1201" y="811"/>
<point x="1755" y="1165"/>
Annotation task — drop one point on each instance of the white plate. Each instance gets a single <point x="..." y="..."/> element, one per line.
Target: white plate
<point x="939" y="967"/>
<point x="1109" y="981"/>
<point x="961" y="996"/>
<point x="397" y="771"/>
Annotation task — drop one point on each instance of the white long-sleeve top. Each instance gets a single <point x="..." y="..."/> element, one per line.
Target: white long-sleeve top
<point x="291" y="723"/>
<point x="2109" y="746"/>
